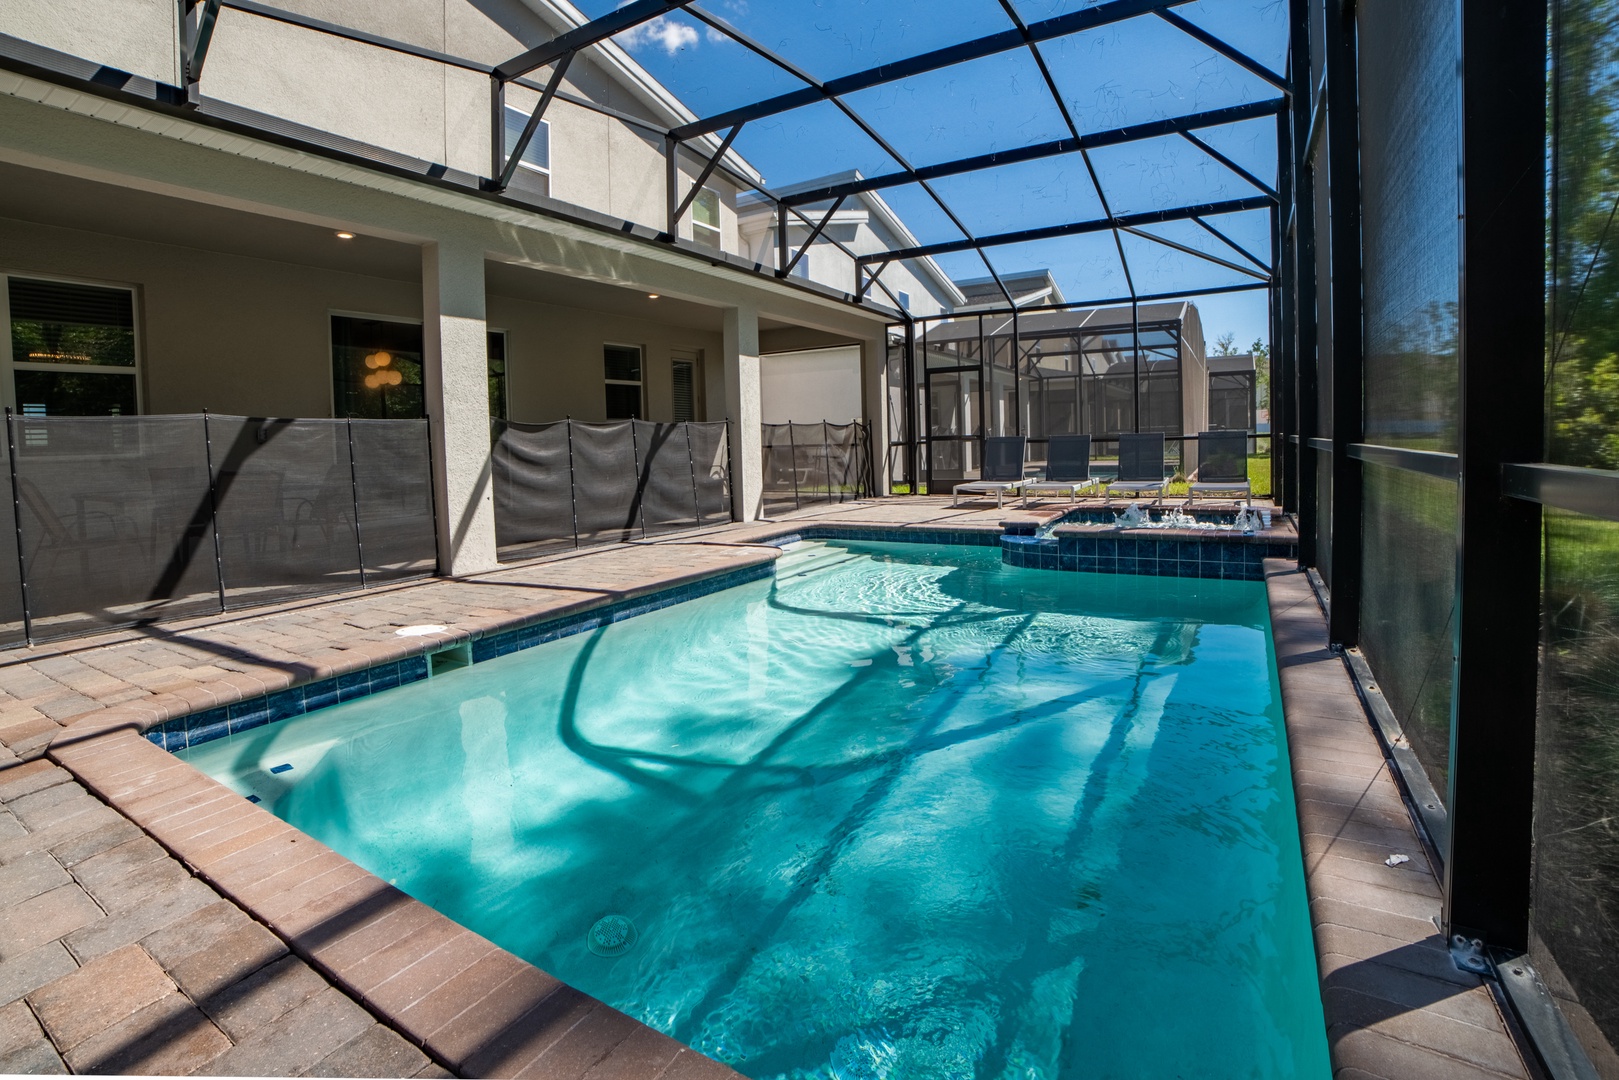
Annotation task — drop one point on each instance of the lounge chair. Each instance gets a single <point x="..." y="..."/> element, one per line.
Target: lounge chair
<point x="1141" y="465"/>
<point x="1002" y="472"/>
<point x="1222" y="465"/>
<point x="1068" y="469"/>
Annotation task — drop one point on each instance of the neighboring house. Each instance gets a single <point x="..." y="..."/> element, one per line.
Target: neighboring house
<point x="863" y="225"/>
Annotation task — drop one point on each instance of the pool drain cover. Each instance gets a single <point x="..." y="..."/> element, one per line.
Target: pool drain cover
<point x="613" y="935"/>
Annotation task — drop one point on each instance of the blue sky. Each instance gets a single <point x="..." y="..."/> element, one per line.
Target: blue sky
<point x="1125" y="73"/>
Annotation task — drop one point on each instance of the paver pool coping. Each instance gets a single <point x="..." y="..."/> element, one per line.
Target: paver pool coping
<point x="1396" y="1005"/>
<point x="477" y="1009"/>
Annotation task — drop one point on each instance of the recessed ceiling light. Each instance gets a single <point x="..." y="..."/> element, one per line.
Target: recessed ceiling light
<point x="651" y="296"/>
<point x="345" y="236"/>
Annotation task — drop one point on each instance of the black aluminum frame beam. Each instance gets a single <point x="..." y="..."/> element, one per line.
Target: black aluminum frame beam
<point x="1340" y="56"/>
<point x="630" y="15"/>
<point x="1055" y="148"/>
<point x="195" y="53"/>
<point x="1501" y="320"/>
<point x="1049" y="232"/>
<point x="989" y="45"/>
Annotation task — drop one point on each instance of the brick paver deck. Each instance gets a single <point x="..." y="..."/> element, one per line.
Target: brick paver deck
<point x="1396" y="1005"/>
<point x="153" y="921"/>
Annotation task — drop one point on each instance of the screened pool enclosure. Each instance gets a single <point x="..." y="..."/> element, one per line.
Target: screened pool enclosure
<point x="1411" y="207"/>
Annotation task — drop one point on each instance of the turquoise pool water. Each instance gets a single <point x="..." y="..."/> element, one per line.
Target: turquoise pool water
<point x="902" y="811"/>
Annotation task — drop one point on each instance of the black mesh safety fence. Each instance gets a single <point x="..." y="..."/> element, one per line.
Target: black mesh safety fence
<point x="605" y="478"/>
<point x="809" y="464"/>
<point x="711" y="470"/>
<point x="533" y="489"/>
<point x="115" y="521"/>
<point x="284" y="501"/>
<point x="571" y="484"/>
<point x="666" y="482"/>
<point x="13" y="631"/>
<point x="393" y="488"/>
<point x="122" y="520"/>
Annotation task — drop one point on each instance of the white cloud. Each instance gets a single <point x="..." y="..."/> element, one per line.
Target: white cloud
<point x="668" y="34"/>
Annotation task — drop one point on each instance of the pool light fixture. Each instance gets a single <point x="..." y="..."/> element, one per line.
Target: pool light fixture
<point x="345" y="235"/>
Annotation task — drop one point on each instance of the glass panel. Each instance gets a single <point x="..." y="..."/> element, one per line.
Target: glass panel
<point x="705" y="210"/>
<point x="497" y="376"/>
<point x="377" y="368"/>
<point x="57" y="322"/>
<point x="622" y="362"/>
<point x="537" y="155"/>
<point x="75" y="393"/>
<point x="682" y="374"/>
<point x="623" y="401"/>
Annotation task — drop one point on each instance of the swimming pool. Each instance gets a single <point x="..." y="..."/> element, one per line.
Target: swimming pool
<point x="899" y="811"/>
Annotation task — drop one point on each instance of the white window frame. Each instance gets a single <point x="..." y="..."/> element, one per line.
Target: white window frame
<point x="544" y="130"/>
<point x="10" y="365"/>
<point x="639" y="384"/>
<point x="718" y="230"/>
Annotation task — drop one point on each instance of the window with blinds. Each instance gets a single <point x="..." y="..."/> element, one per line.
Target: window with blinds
<point x="535" y="164"/>
<point x="72" y="348"/>
<point x="685" y="391"/>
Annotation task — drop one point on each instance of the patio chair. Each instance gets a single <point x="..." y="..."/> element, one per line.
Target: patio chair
<point x="1222" y="465"/>
<point x="1141" y="465"/>
<point x="1068" y="469"/>
<point x="1002" y="471"/>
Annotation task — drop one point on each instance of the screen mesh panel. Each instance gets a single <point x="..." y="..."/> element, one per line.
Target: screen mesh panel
<point x="1408" y="602"/>
<point x="711" y="454"/>
<point x="533" y="489"/>
<point x="393" y="486"/>
<point x="1411" y="272"/>
<point x="1575" y="920"/>
<point x="115" y="521"/>
<point x="1409" y="236"/>
<point x="1574" y="916"/>
<point x="1323" y="511"/>
<point x="668" y="499"/>
<point x="605" y="478"/>
<point x="281" y="489"/>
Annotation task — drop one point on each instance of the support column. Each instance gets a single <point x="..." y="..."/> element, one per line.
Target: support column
<point x="874" y="394"/>
<point x="1497" y="628"/>
<point x="455" y="383"/>
<point x="742" y="407"/>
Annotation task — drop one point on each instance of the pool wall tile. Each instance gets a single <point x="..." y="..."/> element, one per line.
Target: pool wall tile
<point x="1236" y="558"/>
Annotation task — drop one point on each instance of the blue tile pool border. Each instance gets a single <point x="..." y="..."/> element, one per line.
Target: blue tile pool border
<point x="210" y="724"/>
<point x="1228" y="558"/>
<point x="1239" y="558"/>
